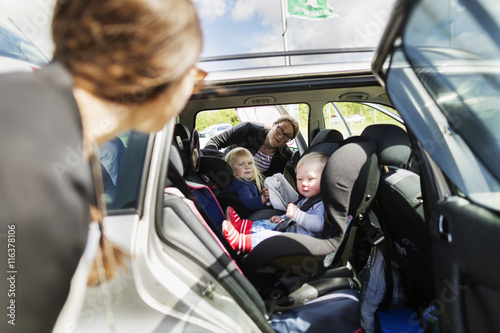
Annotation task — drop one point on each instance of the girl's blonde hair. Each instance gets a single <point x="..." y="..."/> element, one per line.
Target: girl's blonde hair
<point x="239" y="155"/>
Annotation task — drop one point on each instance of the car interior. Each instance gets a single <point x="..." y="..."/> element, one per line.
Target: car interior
<point x="371" y="195"/>
<point x="367" y="189"/>
<point x="392" y="213"/>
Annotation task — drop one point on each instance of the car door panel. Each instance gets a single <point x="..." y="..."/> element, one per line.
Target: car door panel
<point x="465" y="245"/>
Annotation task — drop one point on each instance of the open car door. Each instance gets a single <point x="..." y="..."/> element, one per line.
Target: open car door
<point x="444" y="79"/>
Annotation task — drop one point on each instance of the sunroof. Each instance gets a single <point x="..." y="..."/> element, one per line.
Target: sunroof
<point x="287" y="58"/>
<point x="235" y="27"/>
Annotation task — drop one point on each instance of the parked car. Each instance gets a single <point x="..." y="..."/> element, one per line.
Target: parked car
<point x="356" y="118"/>
<point x="17" y="53"/>
<point x="432" y="94"/>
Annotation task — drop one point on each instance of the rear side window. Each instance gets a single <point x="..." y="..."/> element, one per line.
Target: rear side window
<point x="352" y="118"/>
<point x="213" y="122"/>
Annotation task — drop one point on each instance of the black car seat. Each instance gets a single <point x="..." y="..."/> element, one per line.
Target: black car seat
<point x="217" y="175"/>
<point x="215" y="172"/>
<point x="399" y="207"/>
<point x="327" y="135"/>
<point x="293" y="262"/>
<point x="184" y="164"/>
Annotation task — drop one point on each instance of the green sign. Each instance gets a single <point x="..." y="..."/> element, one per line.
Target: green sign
<point x="310" y="9"/>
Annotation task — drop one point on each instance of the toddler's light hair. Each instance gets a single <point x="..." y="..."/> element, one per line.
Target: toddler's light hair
<point x="319" y="158"/>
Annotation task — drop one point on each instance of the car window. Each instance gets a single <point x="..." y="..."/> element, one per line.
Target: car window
<point x="15" y="47"/>
<point x="265" y="115"/>
<point x="122" y="162"/>
<point x="352" y="118"/>
<point x="455" y="52"/>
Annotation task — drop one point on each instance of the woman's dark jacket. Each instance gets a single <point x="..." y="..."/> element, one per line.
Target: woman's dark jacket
<point x="251" y="136"/>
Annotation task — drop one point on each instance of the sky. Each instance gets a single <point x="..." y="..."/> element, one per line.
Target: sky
<point x="242" y="26"/>
<point x="256" y="26"/>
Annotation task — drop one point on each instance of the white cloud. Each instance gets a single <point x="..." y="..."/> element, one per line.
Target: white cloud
<point x="243" y="10"/>
<point x="360" y="24"/>
<point x="268" y="11"/>
<point x="210" y="10"/>
<point x="267" y="43"/>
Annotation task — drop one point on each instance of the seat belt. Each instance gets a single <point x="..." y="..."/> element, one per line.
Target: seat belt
<point x="391" y="254"/>
<point x="304" y="207"/>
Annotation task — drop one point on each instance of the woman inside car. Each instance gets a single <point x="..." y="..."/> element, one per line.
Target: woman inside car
<point x="118" y="65"/>
<point x="267" y="145"/>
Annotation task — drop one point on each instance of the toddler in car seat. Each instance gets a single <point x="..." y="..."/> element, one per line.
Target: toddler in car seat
<point x="248" y="182"/>
<point x="307" y="214"/>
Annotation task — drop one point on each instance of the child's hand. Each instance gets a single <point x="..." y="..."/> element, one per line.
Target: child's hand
<point x="265" y="195"/>
<point x="291" y="209"/>
<point x="275" y="218"/>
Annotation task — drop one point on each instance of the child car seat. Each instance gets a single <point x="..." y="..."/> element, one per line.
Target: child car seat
<point x="348" y="186"/>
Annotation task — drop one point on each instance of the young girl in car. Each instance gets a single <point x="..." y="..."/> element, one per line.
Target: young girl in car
<point x="248" y="181"/>
<point x="308" y="213"/>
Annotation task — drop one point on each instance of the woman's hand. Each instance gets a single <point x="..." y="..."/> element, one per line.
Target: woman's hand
<point x="291" y="209"/>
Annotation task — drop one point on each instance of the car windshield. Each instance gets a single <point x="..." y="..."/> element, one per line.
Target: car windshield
<point x="240" y="27"/>
<point x="455" y="51"/>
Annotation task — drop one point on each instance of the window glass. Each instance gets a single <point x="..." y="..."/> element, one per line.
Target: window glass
<point x="454" y="49"/>
<point x="352" y="118"/>
<point x="212" y="122"/>
<point x="122" y="162"/>
<point x="14" y="47"/>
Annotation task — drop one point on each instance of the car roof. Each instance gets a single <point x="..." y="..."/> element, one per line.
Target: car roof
<point x="284" y="84"/>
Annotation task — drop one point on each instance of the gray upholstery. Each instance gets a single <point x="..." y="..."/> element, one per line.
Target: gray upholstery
<point x="393" y="143"/>
<point x="349" y="183"/>
<point x="327" y="135"/>
<point x="400" y="207"/>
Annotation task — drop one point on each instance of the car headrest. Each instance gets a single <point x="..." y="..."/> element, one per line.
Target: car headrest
<point x="181" y="131"/>
<point x="349" y="183"/>
<point x="393" y="143"/>
<point x="176" y="159"/>
<point x="327" y="135"/>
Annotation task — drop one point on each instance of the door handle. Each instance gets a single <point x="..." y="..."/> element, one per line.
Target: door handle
<point x="444" y="230"/>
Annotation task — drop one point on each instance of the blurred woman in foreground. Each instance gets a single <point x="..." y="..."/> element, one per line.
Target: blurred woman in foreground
<point x="118" y="65"/>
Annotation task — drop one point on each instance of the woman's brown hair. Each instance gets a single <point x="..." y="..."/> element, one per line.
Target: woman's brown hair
<point x="126" y="51"/>
<point x="292" y="121"/>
